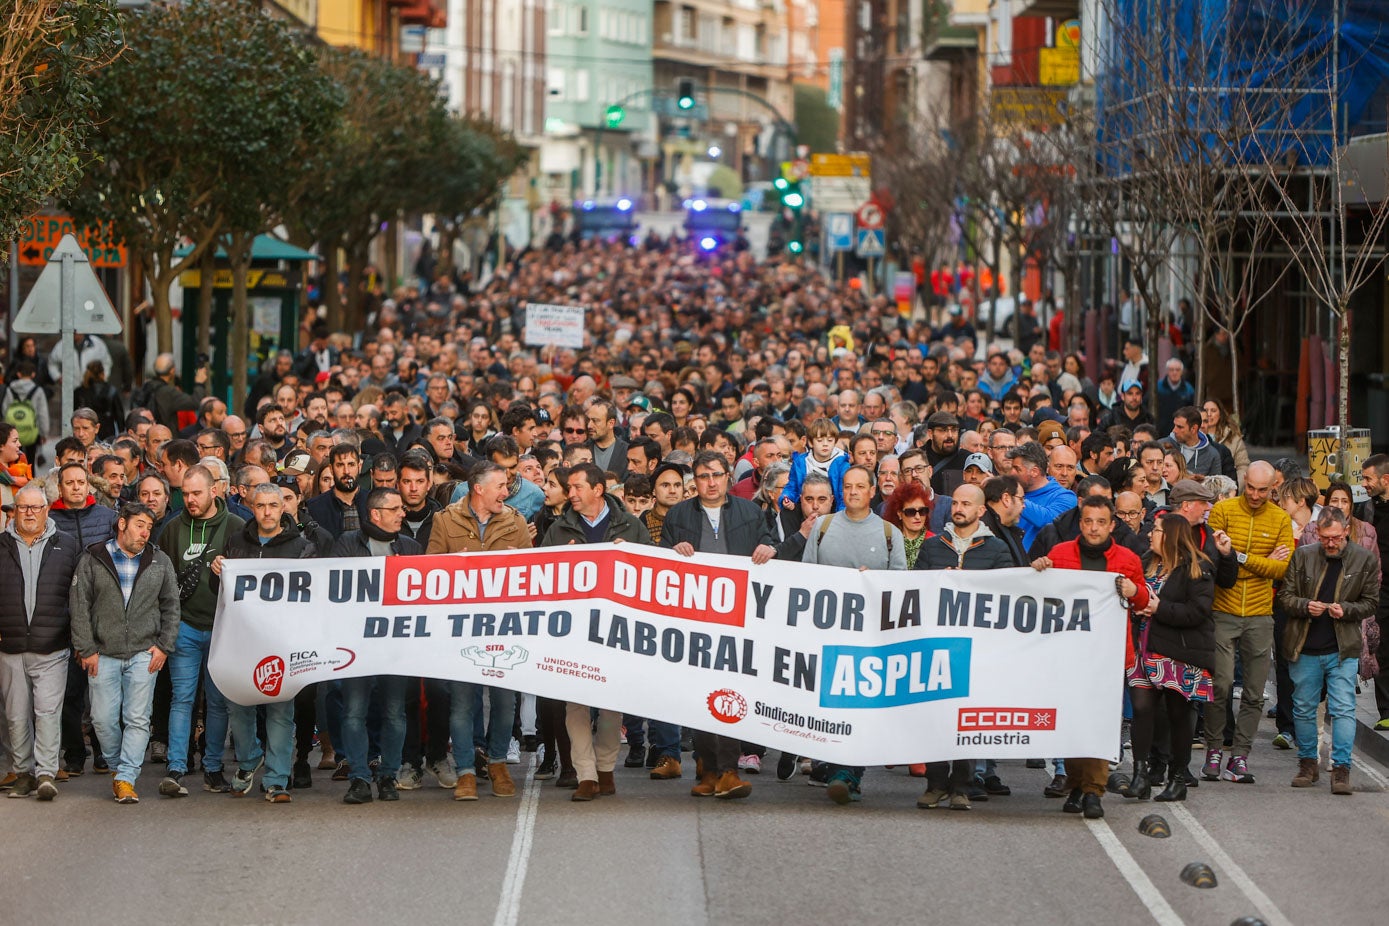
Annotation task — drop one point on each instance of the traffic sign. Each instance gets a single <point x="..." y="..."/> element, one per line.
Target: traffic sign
<point x="872" y="242"/>
<point x="40" y="234"/>
<point x="869" y="215"/>
<point x="839" y="226"/>
<point x="840" y="165"/>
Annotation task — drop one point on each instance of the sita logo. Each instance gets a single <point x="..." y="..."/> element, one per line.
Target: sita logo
<point x="727" y="705"/>
<point x="270" y="672"/>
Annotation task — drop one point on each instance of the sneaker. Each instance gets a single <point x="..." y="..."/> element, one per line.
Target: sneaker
<point x="842" y="790"/>
<point x="277" y="795"/>
<point x="23" y="786"/>
<point x="568" y="779"/>
<point x="1057" y="788"/>
<point x="159" y="752"/>
<point x="444" y="771"/>
<point x="46" y="790"/>
<point x="302" y="776"/>
<point x="1237" y="770"/>
<point x="513" y="752"/>
<point x="819" y="775"/>
<point x="546" y="769"/>
<point x="1382" y="725"/>
<point x="1284" y="741"/>
<point x="409" y="778"/>
<point x="124" y="792"/>
<point x="994" y="785"/>
<point x="932" y="798"/>
<point x="341" y="772"/>
<point x="730" y="786"/>
<point x="750" y="764"/>
<point x="1211" y="769"/>
<point x="243" y="780"/>
<point x="215" y="782"/>
<point x="100" y="767"/>
<point x="386" y="790"/>
<point x="358" y="792"/>
<point x="787" y="767"/>
<point x="172" y="785"/>
<point x="959" y="802"/>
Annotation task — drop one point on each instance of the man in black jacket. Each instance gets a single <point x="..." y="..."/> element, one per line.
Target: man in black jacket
<point x="35" y="634"/>
<point x="379" y="535"/>
<point x="272" y="534"/>
<point x="1003" y="496"/>
<point x="340" y="510"/>
<point x="716" y="522"/>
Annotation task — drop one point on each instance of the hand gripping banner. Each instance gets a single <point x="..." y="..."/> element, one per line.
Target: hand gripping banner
<point x="863" y="668"/>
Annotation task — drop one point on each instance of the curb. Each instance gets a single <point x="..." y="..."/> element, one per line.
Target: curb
<point x="1371" y="742"/>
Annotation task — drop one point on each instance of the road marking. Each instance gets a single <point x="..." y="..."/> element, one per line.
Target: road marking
<point x="1261" y="901"/>
<point x="1370" y="772"/>
<point x="509" y="906"/>
<point x="1137" y="878"/>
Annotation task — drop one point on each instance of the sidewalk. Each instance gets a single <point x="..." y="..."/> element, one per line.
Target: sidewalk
<point x="1373" y="744"/>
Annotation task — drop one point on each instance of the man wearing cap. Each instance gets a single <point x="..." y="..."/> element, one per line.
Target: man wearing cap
<point x="1130" y="412"/>
<point x="943" y="452"/>
<point x="623" y="388"/>
<point x="979" y="469"/>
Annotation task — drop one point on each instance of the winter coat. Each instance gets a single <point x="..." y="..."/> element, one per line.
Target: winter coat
<point x="1256" y="533"/>
<point x="456" y="530"/>
<point x="48" y="631"/>
<point x="1182" y="627"/>
<point x="354" y="544"/>
<point x="838" y="464"/>
<point x="102" y="621"/>
<point x="622" y="525"/>
<point x="984" y="552"/>
<point x="1357" y="592"/>
<point x="92" y="524"/>
<point x="1118" y="559"/>
<point x="742" y="524"/>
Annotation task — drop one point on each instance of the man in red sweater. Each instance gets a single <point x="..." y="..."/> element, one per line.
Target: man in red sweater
<point x="1095" y="550"/>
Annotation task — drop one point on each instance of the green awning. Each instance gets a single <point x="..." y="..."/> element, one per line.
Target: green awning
<point x="266" y="247"/>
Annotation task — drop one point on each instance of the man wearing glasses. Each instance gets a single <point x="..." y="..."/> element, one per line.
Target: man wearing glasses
<point x="716" y="522"/>
<point x="885" y="435"/>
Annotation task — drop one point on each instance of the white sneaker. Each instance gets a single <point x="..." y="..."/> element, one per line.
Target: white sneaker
<point x="445" y="771"/>
<point x="750" y="764"/>
<point x="513" y="752"/>
<point x="409" y="777"/>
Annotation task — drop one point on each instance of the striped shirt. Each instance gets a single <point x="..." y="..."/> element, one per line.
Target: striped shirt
<point x="127" y="567"/>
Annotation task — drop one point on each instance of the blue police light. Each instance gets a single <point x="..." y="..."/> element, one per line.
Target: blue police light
<point x="708" y="242"/>
<point x="624" y="204"/>
<point x="588" y="205"/>
<point x="699" y="205"/>
<point x="735" y="207"/>
<point x="634" y="240"/>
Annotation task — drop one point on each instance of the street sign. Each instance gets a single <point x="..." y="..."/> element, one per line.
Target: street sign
<point x="431" y="60"/>
<point x="68" y="299"/>
<point x="840" y="165"/>
<point x="839" y="226"/>
<point x="40" y="234"/>
<point x="872" y="242"/>
<point x="869" y="215"/>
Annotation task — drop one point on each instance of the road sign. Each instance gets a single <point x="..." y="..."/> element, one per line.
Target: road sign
<point x="840" y="165"/>
<point x="871" y="242"/>
<point x="869" y="215"/>
<point x="839" y="226"/>
<point x="68" y="298"/>
<point x="40" y="234"/>
<point x="430" y="60"/>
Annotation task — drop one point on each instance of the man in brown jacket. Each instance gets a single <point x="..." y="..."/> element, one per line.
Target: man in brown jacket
<point x="481" y="522"/>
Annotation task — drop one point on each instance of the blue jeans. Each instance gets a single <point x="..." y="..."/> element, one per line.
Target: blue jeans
<point x="279" y="741"/>
<point x="188" y="664"/>
<point x="123" y="693"/>
<point x="356" y="700"/>
<point x="1309" y="673"/>
<point x="664" y="737"/>
<point x="465" y="697"/>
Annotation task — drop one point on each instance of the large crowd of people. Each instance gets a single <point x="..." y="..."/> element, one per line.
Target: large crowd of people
<point x="721" y="404"/>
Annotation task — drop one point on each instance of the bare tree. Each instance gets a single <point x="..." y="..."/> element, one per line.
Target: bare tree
<point x="921" y="171"/>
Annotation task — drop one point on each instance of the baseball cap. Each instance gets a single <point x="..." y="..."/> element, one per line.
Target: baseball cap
<point x="640" y="401"/>
<point x="1189" y="490"/>
<point x="980" y="460"/>
<point x="1128" y="384"/>
<point x="296" y="464"/>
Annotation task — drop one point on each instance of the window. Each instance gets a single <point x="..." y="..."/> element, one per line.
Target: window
<point x="581" y="85"/>
<point x="554" y="83"/>
<point x="580" y="19"/>
<point x="554" y="17"/>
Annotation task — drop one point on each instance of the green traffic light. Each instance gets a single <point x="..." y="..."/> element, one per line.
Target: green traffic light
<point x="793" y="200"/>
<point x="615" y="116"/>
<point x="686" y="102"/>
<point x="781" y="183"/>
<point x="795" y="247"/>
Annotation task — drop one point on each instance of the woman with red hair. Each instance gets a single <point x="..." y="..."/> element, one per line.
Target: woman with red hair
<point x="909" y="510"/>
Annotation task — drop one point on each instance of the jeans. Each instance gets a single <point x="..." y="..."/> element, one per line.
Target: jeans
<point x="32" y="686"/>
<point x="187" y="666"/>
<point x="122" y="696"/>
<point x="1309" y="674"/>
<point x="279" y="741"/>
<point x="1253" y="637"/>
<point x="466" y="698"/>
<point x="356" y="699"/>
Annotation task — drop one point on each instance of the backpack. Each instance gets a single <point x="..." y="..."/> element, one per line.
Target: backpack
<point x="22" y="416"/>
<point x="887" y="533"/>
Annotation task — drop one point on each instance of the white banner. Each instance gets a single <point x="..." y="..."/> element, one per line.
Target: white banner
<point x="865" y="668"/>
<point x="560" y="325"/>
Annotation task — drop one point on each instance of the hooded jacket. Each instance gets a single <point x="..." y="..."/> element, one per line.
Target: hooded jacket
<point x="48" y="630"/>
<point x="93" y="524"/>
<point x="1042" y="506"/>
<point x="190" y="543"/>
<point x="985" y="551"/>
<point x="103" y="622"/>
<point x="289" y="543"/>
<point x="1203" y="459"/>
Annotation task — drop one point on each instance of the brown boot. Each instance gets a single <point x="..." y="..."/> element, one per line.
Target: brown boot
<point x="502" y="785"/>
<point x="606" y="784"/>
<point x="587" y="791"/>
<point x="731" y="786"/>
<point x="1340" y="780"/>
<point x="666" y="769"/>
<point x="1307" y="774"/>
<point x="705" y="788"/>
<point x="466" y="789"/>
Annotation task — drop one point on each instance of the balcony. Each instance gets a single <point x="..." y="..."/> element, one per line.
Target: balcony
<point x="1056" y="9"/>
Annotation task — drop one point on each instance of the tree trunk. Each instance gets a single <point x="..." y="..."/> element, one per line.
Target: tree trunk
<point x="163" y="311"/>
<point x="239" y="337"/>
<point x="1151" y="336"/>
<point x="1235" y="410"/>
<point x="390" y="257"/>
<point x="332" y="297"/>
<point x="1198" y="360"/>
<point x="1343" y="390"/>
<point x="356" y="269"/>
<point x="206" y="279"/>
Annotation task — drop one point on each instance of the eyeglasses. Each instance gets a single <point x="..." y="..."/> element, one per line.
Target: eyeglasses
<point x="892" y="431"/>
<point x="32" y="509"/>
<point x="915" y="512"/>
<point x="914" y="470"/>
<point x="709" y="477"/>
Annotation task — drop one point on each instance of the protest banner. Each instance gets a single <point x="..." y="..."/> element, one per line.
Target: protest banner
<point x="863" y="668"/>
<point x="560" y="325"/>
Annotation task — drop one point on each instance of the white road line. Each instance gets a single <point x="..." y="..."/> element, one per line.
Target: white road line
<point x="1370" y="772"/>
<point x="1137" y="878"/>
<point x="1221" y="859"/>
<point x="509" y="906"/>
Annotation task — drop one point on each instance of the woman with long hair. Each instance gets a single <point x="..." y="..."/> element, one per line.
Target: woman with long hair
<point x="1220" y="427"/>
<point x="479" y="423"/>
<point x="1339" y="495"/>
<point x="101" y="397"/>
<point x="1174" y="653"/>
<point x="909" y="510"/>
<point x="556" y="499"/>
<point x="682" y="405"/>
<point x="1173" y="466"/>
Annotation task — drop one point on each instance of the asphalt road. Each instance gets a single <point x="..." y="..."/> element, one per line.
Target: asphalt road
<point x="652" y="854"/>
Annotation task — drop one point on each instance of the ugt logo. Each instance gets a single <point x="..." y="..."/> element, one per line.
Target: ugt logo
<point x="270" y="672"/>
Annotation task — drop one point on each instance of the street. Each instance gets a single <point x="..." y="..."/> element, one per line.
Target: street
<point x="654" y="854"/>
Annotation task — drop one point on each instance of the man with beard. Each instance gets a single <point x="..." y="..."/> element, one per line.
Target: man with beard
<point x="338" y="511"/>
<point x="274" y="430"/>
<point x="943" y="452"/>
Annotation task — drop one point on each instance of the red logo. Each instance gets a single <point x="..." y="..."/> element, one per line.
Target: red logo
<point x="1007" y="718"/>
<point x="270" y="672"/>
<point x="727" y="705"/>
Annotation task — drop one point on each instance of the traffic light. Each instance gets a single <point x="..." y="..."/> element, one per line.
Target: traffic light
<point x="794" y="246"/>
<point x="790" y="192"/>
<point x="684" y="94"/>
<point x="615" y="116"/>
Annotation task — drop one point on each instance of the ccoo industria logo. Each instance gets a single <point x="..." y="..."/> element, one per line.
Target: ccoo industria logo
<point x="270" y="672"/>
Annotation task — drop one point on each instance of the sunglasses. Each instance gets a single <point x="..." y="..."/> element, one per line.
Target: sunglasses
<point x="915" y="512"/>
<point x="576" y="430"/>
